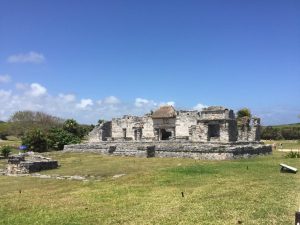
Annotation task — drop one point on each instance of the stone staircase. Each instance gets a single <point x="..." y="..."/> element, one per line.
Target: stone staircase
<point x="130" y="152"/>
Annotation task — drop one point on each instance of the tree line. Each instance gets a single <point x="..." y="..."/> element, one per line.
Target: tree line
<point x="281" y="133"/>
<point x="41" y="132"/>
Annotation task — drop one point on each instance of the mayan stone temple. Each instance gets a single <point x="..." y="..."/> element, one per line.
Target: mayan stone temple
<point x="213" y="133"/>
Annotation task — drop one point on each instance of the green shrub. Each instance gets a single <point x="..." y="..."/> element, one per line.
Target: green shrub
<point x="244" y="112"/>
<point x="35" y="140"/>
<point x="271" y="133"/>
<point x="58" y="137"/>
<point x="293" y="155"/>
<point x="5" y="151"/>
<point x="74" y="128"/>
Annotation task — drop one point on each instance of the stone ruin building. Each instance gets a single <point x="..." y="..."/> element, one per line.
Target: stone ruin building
<point x="213" y="133"/>
<point x="212" y="124"/>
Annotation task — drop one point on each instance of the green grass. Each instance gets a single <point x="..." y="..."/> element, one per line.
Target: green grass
<point x="15" y="143"/>
<point x="286" y="144"/>
<point x="215" y="192"/>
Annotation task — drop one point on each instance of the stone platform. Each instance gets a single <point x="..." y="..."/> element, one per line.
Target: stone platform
<point x="29" y="163"/>
<point x="175" y="149"/>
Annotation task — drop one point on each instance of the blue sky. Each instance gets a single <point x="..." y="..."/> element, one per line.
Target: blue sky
<point x="101" y="59"/>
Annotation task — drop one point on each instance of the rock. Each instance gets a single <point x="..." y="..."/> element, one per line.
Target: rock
<point x="45" y="176"/>
<point x="118" y="176"/>
<point x="77" y="178"/>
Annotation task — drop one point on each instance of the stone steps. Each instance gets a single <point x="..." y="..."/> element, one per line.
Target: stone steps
<point x="129" y="152"/>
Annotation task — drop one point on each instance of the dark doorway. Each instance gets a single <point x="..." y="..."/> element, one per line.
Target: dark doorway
<point x="124" y="133"/>
<point x="165" y="135"/>
<point x="150" y="151"/>
<point x="213" y="131"/>
<point x="135" y="135"/>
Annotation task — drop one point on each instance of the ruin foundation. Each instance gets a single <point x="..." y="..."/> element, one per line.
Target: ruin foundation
<point x="28" y="163"/>
<point x="176" y="149"/>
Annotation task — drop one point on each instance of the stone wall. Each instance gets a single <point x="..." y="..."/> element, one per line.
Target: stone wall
<point x="123" y="128"/>
<point x="148" y="133"/>
<point x="212" y="124"/>
<point x="29" y="163"/>
<point x="249" y="129"/>
<point x="101" y="132"/>
<point x="185" y="149"/>
<point x="185" y="120"/>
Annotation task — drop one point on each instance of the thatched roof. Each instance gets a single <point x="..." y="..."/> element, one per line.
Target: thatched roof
<point x="164" y="112"/>
<point x="214" y="108"/>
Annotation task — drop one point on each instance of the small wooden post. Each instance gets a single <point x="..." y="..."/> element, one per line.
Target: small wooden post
<point x="297" y="218"/>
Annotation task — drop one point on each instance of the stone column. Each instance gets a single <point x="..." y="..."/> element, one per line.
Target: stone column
<point x="156" y="134"/>
<point x="173" y="133"/>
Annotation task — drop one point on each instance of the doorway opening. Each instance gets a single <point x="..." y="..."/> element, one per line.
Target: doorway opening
<point x="165" y="135"/>
<point x="213" y="131"/>
<point x="124" y="133"/>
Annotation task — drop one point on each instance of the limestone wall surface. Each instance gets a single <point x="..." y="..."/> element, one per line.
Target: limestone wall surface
<point x="195" y="150"/>
<point x="148" y="128"/>
<point x="184" y="120"/>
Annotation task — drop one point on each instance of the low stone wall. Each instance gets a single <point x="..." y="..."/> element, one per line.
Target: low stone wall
<point x="177" y="149"/>
<point x="24" y="164"/>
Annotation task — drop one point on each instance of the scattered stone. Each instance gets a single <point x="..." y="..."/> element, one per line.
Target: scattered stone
<point x="77" y="178"/>
<point x="45" y="176"/>
<point x="118" y="176"/>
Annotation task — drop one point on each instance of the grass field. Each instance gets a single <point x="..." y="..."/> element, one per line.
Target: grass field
<point x="215" y="192"/>
<point x="286" y="144"/>
<point x="13" y="143"/>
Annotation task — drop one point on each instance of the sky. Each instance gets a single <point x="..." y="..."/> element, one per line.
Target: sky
<point x="92" y="60"/>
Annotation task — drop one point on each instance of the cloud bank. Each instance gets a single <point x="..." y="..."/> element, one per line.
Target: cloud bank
<point x="36" y="97"/>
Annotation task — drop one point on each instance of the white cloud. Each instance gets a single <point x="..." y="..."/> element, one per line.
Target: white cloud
<point x="36" y="90"/>
<point x="5" y="78"/>
<point x="30" y="57"/>
<point x="141" y="102"/>
<point x="36" y="97"/>
<point x="111" y="100"/>
<point x="85" y="103"/>
<point x="171" y="103"/>
<point x="199" y="106"/>
<point x="67" y="97"/>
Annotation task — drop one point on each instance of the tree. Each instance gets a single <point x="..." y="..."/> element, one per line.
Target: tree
<point x="244" y="112"/>
<point x="71" y="126"/>
<point x="271" y="133"/>
<point x="101" y="121"/>
<point x="58" y="137"/>
<point x="22" y="121"/>
<point x="4" y="130"/>
<point x="35" y="140"/>
<point x="74" y="128"/>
